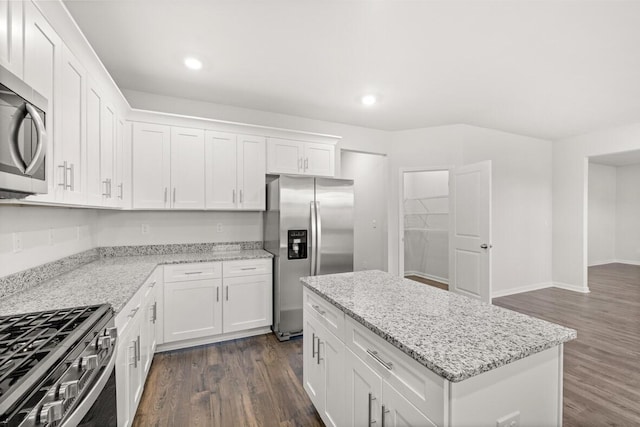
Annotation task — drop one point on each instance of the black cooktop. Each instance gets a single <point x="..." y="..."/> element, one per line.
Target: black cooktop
<point x="35" y="348"/>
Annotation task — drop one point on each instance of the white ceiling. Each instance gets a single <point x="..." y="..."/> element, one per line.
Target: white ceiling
<point x="548" y="69"/>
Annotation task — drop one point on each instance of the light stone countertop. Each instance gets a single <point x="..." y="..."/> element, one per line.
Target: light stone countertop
<point x="452" y="335"/>
<point x="112" y="280"/>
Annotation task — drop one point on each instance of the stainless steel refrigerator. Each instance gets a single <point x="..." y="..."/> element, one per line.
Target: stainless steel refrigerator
<point x="308" y="227"/>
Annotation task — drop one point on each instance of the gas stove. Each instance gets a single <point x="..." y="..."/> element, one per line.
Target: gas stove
<point x="52" y="362"/>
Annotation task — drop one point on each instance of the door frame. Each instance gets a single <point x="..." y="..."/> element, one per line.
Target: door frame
<point x="402" y="171"/>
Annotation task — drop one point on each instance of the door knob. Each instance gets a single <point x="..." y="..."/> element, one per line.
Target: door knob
<point x="485" y="246"/>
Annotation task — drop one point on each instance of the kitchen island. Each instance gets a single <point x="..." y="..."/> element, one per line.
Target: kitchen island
<point x="388" y="351"/>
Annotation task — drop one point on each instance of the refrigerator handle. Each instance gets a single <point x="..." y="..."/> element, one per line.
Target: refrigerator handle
<point x="312" y="239"/>
<point x="318" y="238"/>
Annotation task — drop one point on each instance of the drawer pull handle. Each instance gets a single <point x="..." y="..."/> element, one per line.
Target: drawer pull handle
<point x="375" y="355"/>
<point x="384" y="411"/>
<point x="152" y="284"/>
<point x="317" y="308"/>
<point x="192" y="272"/>
<point x="133" y="312"/>
<point x="248" y="268"/>
<point x="313" y="345"/>
<point x="319" y="358"/>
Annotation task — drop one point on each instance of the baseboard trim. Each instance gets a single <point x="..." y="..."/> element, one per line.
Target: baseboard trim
<point x="211" y="340"/>
<point x="427" y="276"/>
<point x="569" y="287"/>
<point x="626" y="261"/>
<point x="608" y="261"/>
<point x="521" y="289"/>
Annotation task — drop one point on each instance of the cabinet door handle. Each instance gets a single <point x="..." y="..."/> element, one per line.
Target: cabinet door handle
<point x="192" y="272"/>
<point x="72" y="177"/>
<point x="233" y="195"/>
<point x="155" y="312"/>
<point x="227" y="293"/>
<point x="135" y="354"/>
<point x="109" y="183"/>
<point x="133" y="312"/>
<point x="165" y="195"/>
<point x="317" y="308"/>
<point x="370" y="419"/>
<point x="248" y="268"/>
<point x="299" y="163"/>
<point x="106" y="188"/>
<point x="139" y="348"/>
<point x="63" y="166"/>
<point x="121" y="186"/>
<point x="174" y="196"/>
<point x="241" y="197"/>
<point x="306" y="163"/>
<point x="384" y="411"/>
<point x="384" y="363"/>
<point x="313" y="345"/>
<point x="217" y="293"/>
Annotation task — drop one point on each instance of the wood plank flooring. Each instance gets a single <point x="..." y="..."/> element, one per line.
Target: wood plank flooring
<point x="254" y="381"/>
<point x="428" y="282"/>
<point x="602" y="366"/>
<point x="258" y="381"/>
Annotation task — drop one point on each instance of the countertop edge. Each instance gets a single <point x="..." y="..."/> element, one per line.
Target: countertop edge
<point x="450" y="376"/>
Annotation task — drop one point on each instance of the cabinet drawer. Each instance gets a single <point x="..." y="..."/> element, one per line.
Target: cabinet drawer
<point x="129" y="311"/>
<point x="328" y="315"/>
<point x="196" y="271"/>
<point x="423" y="388"/>
<point x="252" y="267"/>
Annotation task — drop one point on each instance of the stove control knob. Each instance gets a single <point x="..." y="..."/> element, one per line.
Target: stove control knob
<point x="104" y="342"/>
<point x="89" y="362"/>
<point x="112" y="332"/>
<point x="51" y="412"/>
<point x="68" y="390"/>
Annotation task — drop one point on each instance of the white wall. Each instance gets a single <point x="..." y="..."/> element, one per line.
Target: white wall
<point x="521" y="177"/>
<point x="369" y="172"/>
<point x="602" y="214"/>
<point x="47" y="234"/>
<point x="570" y="183"/>
<point x="125" y="228"/>
<point x="627" y="233"/>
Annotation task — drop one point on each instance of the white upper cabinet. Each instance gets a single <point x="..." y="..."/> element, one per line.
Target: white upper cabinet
<point x="11" y="42"/>
<point x="42" y="58"/>
<point x="119" y="177"/>
<point x="95" y="188"/>
<point x="221" y="157"/>
<point x="71" y="150"/>
<point x="151" y="149"/>
<point x="187" y="168"/>
<point x="107" y="154"/>
<point x="286" y="156"/>
<point x="235" y="169"/>
<point x="251" y="172"/>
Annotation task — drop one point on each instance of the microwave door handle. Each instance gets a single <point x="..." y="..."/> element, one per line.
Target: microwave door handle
<point x="41" y="147"/>
<point x="14" y="132"/>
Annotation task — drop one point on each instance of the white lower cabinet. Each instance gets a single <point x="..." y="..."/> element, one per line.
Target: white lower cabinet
<point x="205" y="302"/>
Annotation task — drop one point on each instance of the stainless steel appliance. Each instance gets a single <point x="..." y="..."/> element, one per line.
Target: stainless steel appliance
<point x="23" y="138"/>
<point x="308" y="227"/>
<point x="54" y="365"/>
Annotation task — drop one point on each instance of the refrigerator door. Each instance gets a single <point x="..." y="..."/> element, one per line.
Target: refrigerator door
<point x="296" y="195"/>
<point x="334" y="236"/>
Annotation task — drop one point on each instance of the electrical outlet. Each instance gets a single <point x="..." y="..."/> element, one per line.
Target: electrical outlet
<point x="145" y="229"/>
<point x="374" y="224"/>
<point x="219" y="227"/>
<point x="511" y="420"/>
<point x="17" y="242"/>
<point x="51" y="236"/>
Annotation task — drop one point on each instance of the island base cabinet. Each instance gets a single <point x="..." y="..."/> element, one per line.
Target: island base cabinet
<point x="323" y="374"/>
<point x="364" y="392"/>
<point x="397" y="411"/>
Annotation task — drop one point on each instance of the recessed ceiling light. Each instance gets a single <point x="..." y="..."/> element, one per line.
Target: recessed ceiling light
<point x="192" y="63"/>
<point x="368" y="100"/>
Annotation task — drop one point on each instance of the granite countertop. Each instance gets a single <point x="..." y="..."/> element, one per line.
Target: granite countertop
<point x="454" y="336"/>
<point x="112" y="280"/>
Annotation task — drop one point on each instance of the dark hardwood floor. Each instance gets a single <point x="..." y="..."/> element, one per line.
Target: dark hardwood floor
<point x="428" y="282"/>
<point x="602" y="366"/>
<point x="258" y="381"/>
<point x="248" y="382"/>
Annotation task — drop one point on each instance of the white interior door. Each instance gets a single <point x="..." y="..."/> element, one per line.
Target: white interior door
<point x="470" y="231"/>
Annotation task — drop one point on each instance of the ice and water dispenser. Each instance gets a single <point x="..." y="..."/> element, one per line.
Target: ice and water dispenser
<point x="297" y="244"/>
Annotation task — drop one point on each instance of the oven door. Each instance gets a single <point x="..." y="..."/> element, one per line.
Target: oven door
<point x="98" y="406"/>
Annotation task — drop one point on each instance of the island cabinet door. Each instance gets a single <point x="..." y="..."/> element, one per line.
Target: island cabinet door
<point x="312" y="372"/>
<point x="331" y="354"/>
<point x="364" y="392"/>
<point x="397" y="411"/>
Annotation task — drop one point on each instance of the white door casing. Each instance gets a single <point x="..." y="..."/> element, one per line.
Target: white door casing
<point x="470" y="231"/>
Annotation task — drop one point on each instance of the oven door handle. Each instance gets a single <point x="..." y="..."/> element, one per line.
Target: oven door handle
<point x="88" y="399"/>
<point x="14" y="132"/>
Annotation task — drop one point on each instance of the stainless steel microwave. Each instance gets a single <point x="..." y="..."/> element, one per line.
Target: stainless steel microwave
<point x="23" y="138"/>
